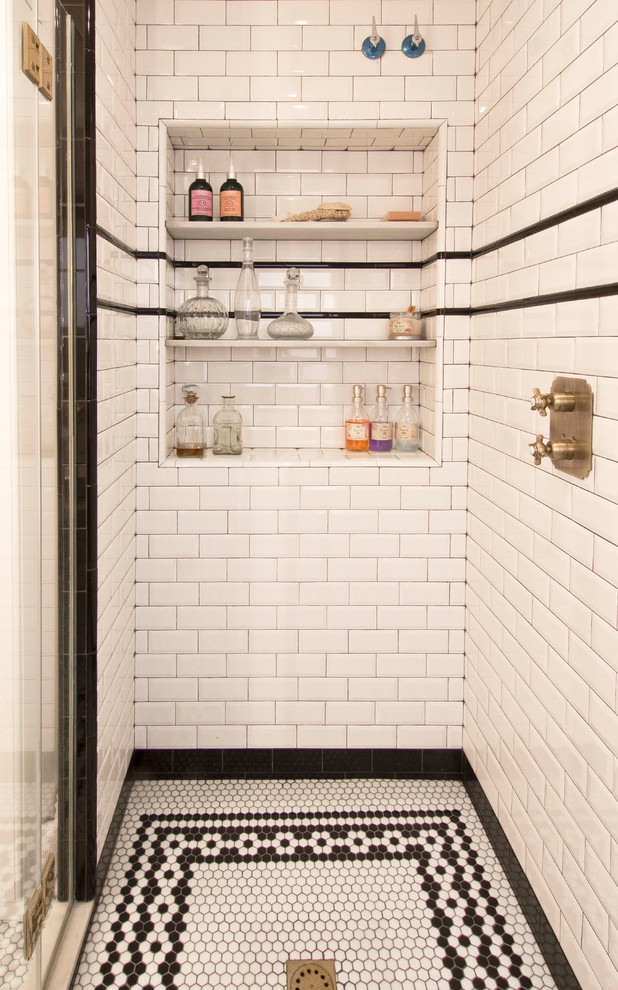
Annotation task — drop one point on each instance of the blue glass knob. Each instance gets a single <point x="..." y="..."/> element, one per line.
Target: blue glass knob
<point x="413" y="48"/>
<point x="374" y="50"/>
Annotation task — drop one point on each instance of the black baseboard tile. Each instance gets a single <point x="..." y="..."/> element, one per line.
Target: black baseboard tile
<point x="166" y="764"/>
<point x="112" y="834"/>
<point x="558" y="964"/>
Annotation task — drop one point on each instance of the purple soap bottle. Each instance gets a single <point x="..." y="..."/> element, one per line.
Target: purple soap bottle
<point x="381" y="427"/>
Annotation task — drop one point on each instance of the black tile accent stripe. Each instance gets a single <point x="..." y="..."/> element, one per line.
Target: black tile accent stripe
<point x="266" y="315"/>
<point x="370" y="265"/>
<point x="587" y="206"/>
<point x="528" y="302"/>
<point x="135" y="310"/>
<point x="122" y="246"/>
<point x="296" y="763"/>
<point x="544" y="934"/>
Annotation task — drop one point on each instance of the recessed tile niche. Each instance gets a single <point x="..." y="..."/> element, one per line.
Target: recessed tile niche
<point x="292" y="395"/>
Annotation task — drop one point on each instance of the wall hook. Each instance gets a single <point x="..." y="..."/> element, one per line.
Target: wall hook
<point x="414" y="44"/>
<point x="374" y="46"/>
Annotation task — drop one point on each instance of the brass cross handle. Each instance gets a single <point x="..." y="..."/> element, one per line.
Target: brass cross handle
<point x="556" y="450"/>
<point x="560" y="401"/>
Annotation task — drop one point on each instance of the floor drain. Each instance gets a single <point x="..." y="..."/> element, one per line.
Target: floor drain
<point x="311" y="974"/>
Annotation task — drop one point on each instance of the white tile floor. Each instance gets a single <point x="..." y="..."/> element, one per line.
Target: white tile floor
<point x="218" y="883"/>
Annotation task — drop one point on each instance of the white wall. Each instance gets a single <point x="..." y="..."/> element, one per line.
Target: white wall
<point x="116" y="384"/>
<point x="303" y="606"/>
<point x="541" y="725"/>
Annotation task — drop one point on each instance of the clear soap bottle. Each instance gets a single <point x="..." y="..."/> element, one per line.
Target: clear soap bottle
<point x="228" y="428"/>
<point x="290" y="324"/>
<point x="357" y="423"/>
<point x="381" y="427"/>
<point x="190" y="432"/>
<point x="247" y="309"/>
<point x="406" y="423"/>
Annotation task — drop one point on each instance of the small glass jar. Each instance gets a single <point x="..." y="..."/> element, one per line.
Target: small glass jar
<point x="190" y="432"/>
<point x="201" y="316"/>
<point x="405" y="325"/>
<point x="290" y="324"/>
<point x="228" y="428"/>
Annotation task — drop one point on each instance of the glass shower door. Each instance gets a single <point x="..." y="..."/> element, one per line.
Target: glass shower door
<point x="36" y="692"/>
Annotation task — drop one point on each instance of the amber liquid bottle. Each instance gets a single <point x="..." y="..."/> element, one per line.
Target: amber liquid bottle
<point x="231" y="198"/>
<point x="357" y="423"/>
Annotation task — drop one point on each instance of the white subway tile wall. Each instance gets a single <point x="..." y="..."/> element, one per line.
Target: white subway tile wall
<point x="117" y="356"/>
<point x="271" y="585"/>
<point x="541" y="722"/>
<point x="312" y="604"/>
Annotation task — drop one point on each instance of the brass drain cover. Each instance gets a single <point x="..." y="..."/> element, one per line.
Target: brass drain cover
<point x="311" y="974"/>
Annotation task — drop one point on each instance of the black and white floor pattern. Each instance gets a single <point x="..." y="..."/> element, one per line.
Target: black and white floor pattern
<point x="218" y="883"/>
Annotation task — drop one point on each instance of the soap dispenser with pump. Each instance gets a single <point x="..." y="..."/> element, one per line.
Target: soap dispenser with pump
<point x="381" y="427"/>
<point x="406" y="423"/>
<point x="357" y="423"/>
<point x="200" y="196"/>
<point x="231" y="197"/>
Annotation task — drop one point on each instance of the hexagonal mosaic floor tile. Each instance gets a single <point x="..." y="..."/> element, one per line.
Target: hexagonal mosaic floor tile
<point x="219" y="883"/>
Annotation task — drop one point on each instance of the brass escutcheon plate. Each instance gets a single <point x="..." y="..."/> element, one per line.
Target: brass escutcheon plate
<point x="575" y="425"/>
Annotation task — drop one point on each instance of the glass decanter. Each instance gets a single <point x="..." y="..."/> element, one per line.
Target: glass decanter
<point x="247" y="310"/>
<point x="190" y="432"/>
<point x="228" y="428"/>
<point x="201" y="316"/>
<point x="290" y="324"/>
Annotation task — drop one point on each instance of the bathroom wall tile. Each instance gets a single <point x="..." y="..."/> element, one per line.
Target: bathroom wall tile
<point x="332" y="529"/>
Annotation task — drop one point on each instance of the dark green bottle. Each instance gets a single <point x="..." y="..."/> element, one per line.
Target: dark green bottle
<point x="232" y="197"/>
<point x="200" y="197"/>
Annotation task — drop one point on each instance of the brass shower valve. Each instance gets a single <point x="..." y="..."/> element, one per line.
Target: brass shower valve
<point x="569" y="447"/>
<point x="556" y="450"/>
<point x="560" y="401"/>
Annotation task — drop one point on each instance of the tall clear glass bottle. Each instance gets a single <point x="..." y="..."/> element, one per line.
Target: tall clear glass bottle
<point x="190" y="432"/>
<point x="406" y="423"/>
<point x="357" y="423"/>
<point x="247" y="310"/>
<point x="228" y="428"/>
<point x="290" y="324"/>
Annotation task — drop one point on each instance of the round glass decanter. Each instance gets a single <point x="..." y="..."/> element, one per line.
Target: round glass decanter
<point x="228" y="428"/>
<point x="201" y="316"/>
<point x="290" y="324"/>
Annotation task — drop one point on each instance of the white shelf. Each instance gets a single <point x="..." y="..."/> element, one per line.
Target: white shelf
<point x="347" y="230"/>
<point x="261" y="343"/>
<point x="295" y="457"/>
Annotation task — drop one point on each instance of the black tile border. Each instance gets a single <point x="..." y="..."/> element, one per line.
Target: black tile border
<point x="293" y="764"/>
<point x="548" y="943"/>
<point x="84" y="647"/>
<point x="328" y="764"/>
